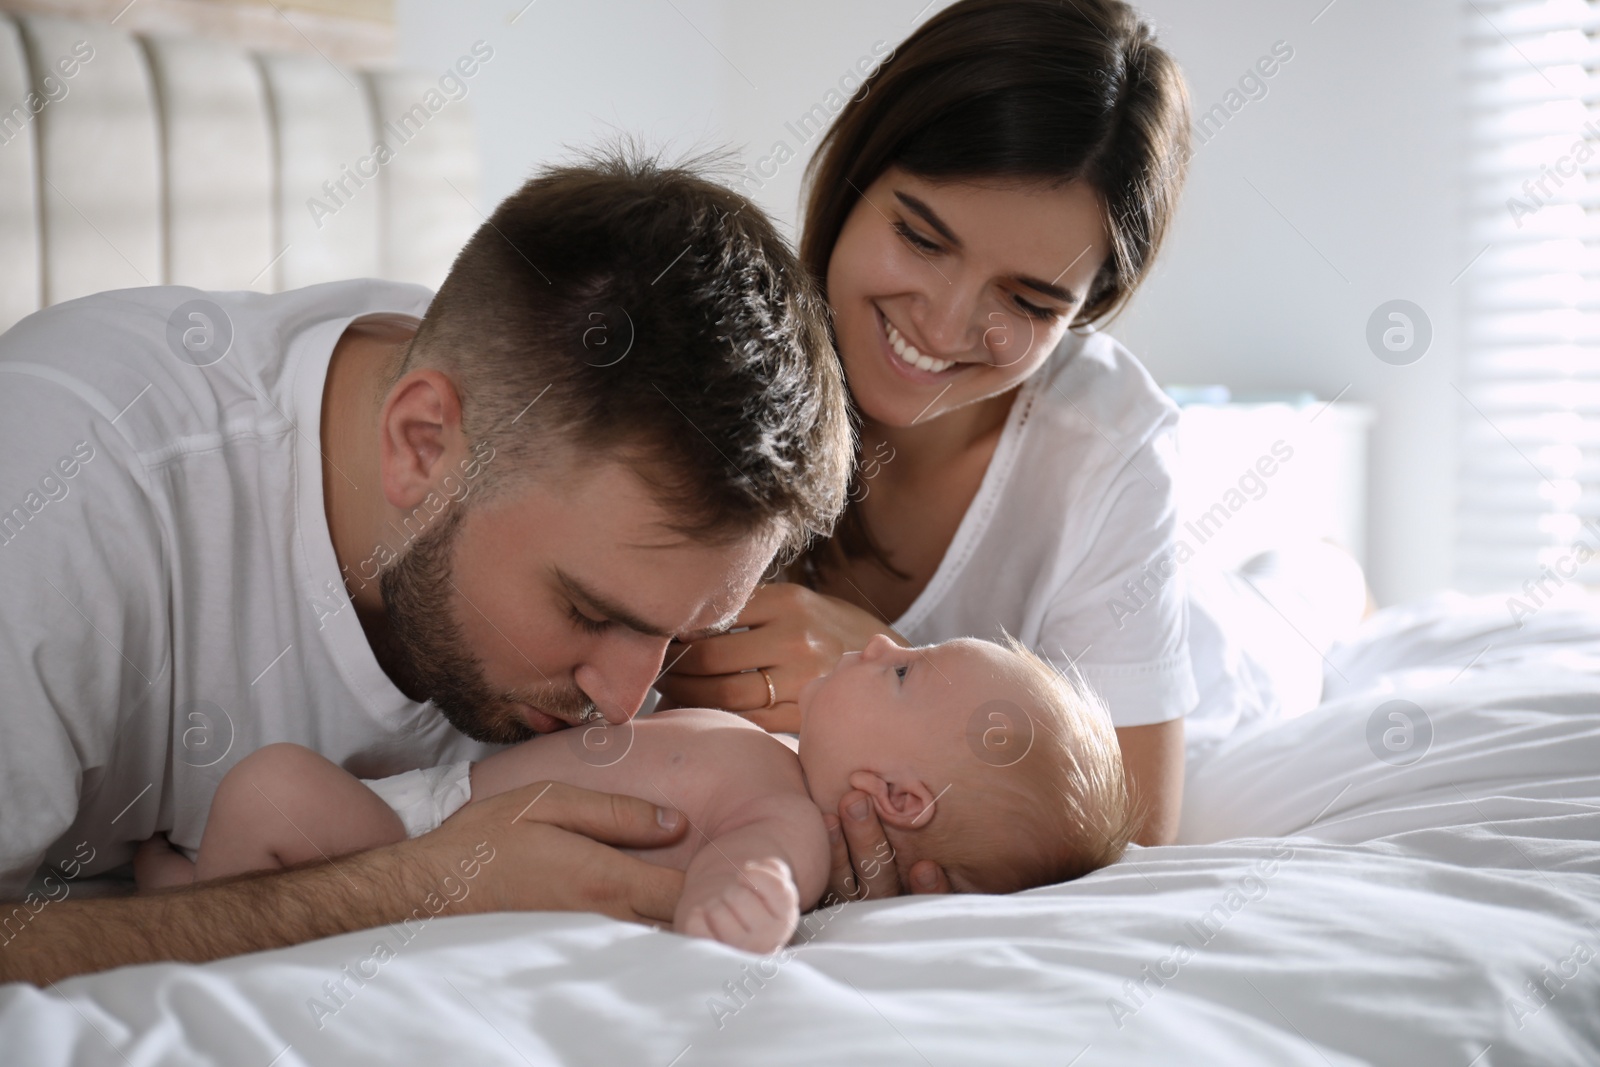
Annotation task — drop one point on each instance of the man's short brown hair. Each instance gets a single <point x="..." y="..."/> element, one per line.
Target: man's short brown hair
<point x="649" y="314"/>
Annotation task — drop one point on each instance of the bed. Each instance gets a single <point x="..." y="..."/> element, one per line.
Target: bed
<point x="1339" y="896"/>
<point x="1408" y="874"/>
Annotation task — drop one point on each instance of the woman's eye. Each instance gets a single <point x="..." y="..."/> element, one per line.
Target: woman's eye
<point x="917" y="240"/>
<point x="586" y="624"/>
<point x="1034" y="312"/>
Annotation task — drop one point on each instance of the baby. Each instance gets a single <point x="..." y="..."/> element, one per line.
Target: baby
<point x="976" y="755"/>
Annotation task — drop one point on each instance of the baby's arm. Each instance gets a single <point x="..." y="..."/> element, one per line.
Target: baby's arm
<point x="279" y="806"/>
<point x="748" y="884"/>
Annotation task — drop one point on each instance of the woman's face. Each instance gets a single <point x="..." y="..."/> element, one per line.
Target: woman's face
<point x="948" y="293"/>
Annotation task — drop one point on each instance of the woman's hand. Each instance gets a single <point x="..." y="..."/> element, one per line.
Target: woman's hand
<point x="794" y="635"/>
<point x="856" y="834"/>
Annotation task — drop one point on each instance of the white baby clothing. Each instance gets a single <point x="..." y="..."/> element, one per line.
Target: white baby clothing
<point x="425" y="798"/>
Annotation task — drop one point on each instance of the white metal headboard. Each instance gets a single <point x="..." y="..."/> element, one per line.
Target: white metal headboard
<point x="128" y="160"/>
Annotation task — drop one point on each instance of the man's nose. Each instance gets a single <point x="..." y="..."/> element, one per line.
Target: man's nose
<point x="620" y="673"/>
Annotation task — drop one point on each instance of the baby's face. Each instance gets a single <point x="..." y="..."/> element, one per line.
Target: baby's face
<point x="900" y="713"/>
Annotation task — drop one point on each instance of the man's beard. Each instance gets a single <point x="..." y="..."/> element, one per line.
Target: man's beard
<point x="427" y="654"/>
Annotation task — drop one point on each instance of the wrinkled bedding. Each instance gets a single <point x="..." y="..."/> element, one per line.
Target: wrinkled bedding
<point x="1350" y="887"/>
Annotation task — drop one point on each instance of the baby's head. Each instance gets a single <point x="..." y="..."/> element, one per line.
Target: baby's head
<point x="978" y="756"/>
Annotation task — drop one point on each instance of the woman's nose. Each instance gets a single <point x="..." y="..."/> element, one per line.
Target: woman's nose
<point x="947" y="325"/>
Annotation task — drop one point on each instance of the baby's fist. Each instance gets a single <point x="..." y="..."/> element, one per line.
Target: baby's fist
<point x="757" y="913"/>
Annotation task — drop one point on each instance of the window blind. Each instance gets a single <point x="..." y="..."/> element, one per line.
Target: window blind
<point x="1529" y="493"/>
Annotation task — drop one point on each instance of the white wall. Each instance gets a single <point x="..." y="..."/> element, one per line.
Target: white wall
<point x="567" y="73"/>
<point x="1356" y="145"/>
<point x="806" y="52"/>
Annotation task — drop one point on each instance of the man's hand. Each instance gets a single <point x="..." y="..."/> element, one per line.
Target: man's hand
<point x="550" y="843"/>
<point x="525" y="848"/>
<point x="862" y="862"/>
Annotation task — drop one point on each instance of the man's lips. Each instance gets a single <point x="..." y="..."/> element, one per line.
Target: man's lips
<point x="538" y="721"/>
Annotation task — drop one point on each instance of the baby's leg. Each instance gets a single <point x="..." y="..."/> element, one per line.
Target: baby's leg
<point x="283" y="805"/>
<point x="157" y="865"/>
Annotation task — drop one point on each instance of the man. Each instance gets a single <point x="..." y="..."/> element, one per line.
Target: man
<point x="229" y="519"/>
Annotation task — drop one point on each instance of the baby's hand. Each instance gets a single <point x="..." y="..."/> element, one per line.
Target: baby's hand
<point x="757" y="913"/>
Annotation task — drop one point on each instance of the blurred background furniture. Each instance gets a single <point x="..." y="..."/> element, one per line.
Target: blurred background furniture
<point x="132" y="159"/>
<point x="1319" y="493"/>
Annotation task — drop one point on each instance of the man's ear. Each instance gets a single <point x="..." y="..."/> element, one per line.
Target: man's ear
<point x="419" y="430"/>
<point x="905" y="805"/>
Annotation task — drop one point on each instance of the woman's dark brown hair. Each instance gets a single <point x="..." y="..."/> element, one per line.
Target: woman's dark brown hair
<point x="1047" y="91"/>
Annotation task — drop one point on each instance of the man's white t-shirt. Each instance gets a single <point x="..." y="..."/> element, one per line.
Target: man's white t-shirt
<point x="172" y="598"/>
<point x="1077" y="503"/>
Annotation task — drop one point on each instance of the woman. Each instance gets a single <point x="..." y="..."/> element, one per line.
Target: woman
<point x="1007" y="174"/>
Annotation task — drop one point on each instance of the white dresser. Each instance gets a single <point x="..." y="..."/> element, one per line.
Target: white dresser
<point x="1254" y="476"/>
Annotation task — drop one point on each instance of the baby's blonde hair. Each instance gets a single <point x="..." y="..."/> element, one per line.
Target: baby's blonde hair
<point x="1059" y="789"/>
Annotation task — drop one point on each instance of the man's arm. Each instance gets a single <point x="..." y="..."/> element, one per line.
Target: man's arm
<point x="534" y="848"/>
<point x="1152" y="764"/>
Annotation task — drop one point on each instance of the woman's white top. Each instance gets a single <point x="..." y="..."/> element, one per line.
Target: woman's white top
<point x="1068" y="545"/>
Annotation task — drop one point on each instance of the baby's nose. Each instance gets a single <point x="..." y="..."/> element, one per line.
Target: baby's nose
<point x="879" y="646"/>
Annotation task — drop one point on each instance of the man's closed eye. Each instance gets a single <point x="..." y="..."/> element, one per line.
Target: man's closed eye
<point x="586" y="624"/>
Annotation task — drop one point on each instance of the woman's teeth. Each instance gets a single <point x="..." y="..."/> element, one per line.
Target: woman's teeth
<point x="909" y="354"/>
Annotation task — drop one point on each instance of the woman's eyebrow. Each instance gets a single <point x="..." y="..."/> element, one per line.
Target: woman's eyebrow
<point x="928" y="215"/>
<point x="1050" y="289"/>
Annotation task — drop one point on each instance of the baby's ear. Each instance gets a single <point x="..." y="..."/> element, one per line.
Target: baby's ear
<point x="904" y="805"/>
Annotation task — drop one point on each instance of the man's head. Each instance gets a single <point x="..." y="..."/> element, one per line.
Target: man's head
<point x="978" y="756"/>
<point x="635" y="375"/>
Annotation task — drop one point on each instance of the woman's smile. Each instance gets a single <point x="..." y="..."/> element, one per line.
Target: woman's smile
<point x="906" y="359"/>
<point x="909" y="353"/>
<point x="948" y="314"/>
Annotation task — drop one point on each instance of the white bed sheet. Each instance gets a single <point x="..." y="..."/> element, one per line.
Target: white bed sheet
<point x="1400" y="923"/>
